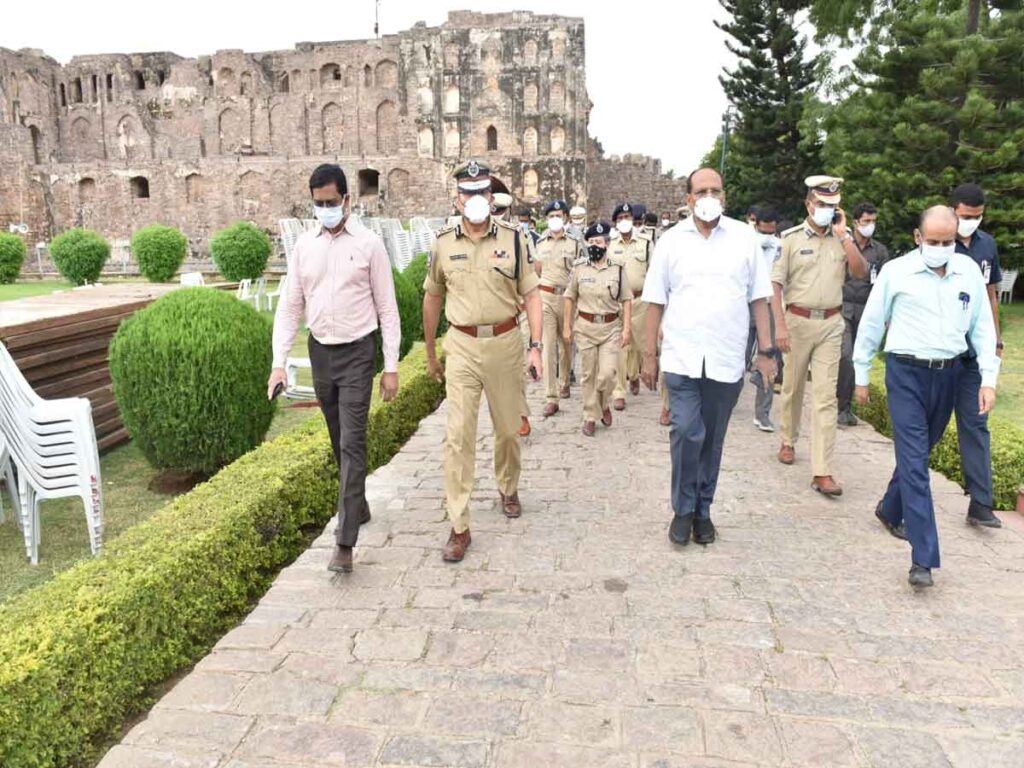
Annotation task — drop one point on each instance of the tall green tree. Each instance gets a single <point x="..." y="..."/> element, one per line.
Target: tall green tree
<point x="932" y="106"/>
<point x="769" y="152"/>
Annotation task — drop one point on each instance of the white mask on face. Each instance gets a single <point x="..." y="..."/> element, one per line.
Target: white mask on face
<point x="556" y="224"/>
<point x="866" y="230"/>
<point x="664" y="222"/>
<point x="936" y="256"/>
<point x="625" y="226"/>
<point x="329" y="217"/>
<point x="967" y="227"/>
<point x="708" y="209"/>
<point x="823" y="216"/>
<point x="477" y="209"/>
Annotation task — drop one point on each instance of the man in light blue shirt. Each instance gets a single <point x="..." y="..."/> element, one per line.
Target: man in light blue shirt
<point x="932" y="299"/>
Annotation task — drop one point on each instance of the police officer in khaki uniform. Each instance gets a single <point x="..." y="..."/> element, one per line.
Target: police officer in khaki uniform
<point x="600" y="288"/>
<point x="480" y="272"/>
<point x="557" y="251"/>
<point x="632" y="251"/>
<point x="808" y="281"/>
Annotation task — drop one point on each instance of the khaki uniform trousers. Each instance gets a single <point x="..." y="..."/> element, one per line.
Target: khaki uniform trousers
<point x="632" y="356"/>
<point x="599" y="345"/>
<point x="814" y="344"/>
<point x="556" y="352"/>
<point x="493" y="366"/>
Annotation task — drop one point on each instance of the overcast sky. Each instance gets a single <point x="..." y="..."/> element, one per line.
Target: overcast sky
<point x="653" y="81"/>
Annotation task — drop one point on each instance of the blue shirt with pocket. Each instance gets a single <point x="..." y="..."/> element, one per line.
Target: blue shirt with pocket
<point x="983" y="251"/>
<point x="928" y="316"/>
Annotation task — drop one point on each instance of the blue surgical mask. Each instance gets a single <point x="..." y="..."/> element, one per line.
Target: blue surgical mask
<point x="329" y="217"/>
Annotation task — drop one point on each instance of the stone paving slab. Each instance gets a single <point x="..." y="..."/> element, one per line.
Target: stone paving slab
<point x="579" y="635"/>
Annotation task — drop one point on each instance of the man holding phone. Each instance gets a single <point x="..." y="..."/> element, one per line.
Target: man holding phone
<point x="340" y="278"/>
<point x="808" y="282"/>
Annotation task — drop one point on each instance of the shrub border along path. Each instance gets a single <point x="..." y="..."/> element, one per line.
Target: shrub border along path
<point x="82" y="653"/>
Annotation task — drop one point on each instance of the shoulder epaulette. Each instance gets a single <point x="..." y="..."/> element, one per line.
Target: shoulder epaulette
<point x="506" y="224"/>
<point x="793" y="230"/>
<point x="447" y="229"/>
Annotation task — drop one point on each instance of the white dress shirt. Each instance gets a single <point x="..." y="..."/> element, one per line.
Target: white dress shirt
<point x="706" y="286"/>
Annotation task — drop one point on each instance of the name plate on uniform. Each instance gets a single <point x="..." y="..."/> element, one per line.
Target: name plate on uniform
<point x="459" y="257"/>
<point x="501" y="254"/>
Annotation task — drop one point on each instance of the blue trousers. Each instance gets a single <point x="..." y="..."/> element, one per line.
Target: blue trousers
<point x="700" y="410"/>
<point x="973" y="435"/>
<point x="920" y="405"/>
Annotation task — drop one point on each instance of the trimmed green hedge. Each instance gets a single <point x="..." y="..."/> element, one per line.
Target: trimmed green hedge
<point x="240" y="252"/>
<point x="1007" y="449"/>
<point x="12" y="256"/>
<point x="79" y="255"/>
<point x="82" y="653"/>
<point x="159" y="251"/>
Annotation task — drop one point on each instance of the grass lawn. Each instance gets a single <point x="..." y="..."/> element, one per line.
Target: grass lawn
<point x="33" y="288"/>
<point x="127" y="500"/>
<point x="1010" y="393"/>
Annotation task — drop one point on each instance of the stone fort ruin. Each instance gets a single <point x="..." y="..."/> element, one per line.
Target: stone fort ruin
<point x="116" y="142"/>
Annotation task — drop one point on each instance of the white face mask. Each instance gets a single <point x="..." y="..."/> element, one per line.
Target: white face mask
<point x="936" y="256"/>
<point x="967" y="227"/>
<point x="866" y="230"/>
<point x="823" y="216"/>
<point x="664" y="222"/>
<point x="329" y="217"/>
<point x="556" y="224"/>
<point x="625" y="226"/>
<point x="477" y="209"/>
<point x="708" y="209"/>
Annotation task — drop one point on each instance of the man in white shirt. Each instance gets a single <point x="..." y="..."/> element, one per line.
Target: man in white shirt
<point x="706" y="278"/>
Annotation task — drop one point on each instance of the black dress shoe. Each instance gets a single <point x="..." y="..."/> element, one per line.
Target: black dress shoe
<point x="365" y="518"/>
<point x="899" y="531"/>
<point x="979" y="514"/>
<point x="920" y="576"/>
<point x="703" y="530"/>
<point x="341" y="560"/>
<point x="679" y="530"/>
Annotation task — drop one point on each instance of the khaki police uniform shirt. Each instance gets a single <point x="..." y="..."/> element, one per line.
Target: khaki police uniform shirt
<point x="482" y="282"/>
<point x="811" y="269"/>
<point x="599" y="290"/>
<point x="556" y="256"/>
<point x="635" y="256"/>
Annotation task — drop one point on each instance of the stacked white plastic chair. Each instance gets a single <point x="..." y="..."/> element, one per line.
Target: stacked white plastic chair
<point x="259" y="291"/>
<point x="52" y="445"/>
<point x="275" y="295"/>
<point x="294" y="390"/>
<point x="192" y="279"/>
<point x="7" y="476"/>
<point x="244" y="292"/>
<point x="1006" y="286"/>
<point x="291" y="230"/>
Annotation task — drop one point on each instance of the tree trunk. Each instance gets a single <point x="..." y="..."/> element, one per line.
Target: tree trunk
<point x="973" y="14"/>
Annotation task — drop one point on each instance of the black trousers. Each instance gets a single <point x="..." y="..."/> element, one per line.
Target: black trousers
<point x="343" y="381"/>
<point x="852" y="314"/>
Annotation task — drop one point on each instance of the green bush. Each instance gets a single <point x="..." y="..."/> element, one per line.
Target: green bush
<point x="159" y="251"/>
<point x="190" y="379"/>
<point x="410" y="309"/>
<point x="240" y="252"/>
<point x="79" y="255"/>
<point x="416" y="272"/>
<point x="12" y="256"/>
<point x="1007" y="449"/>
<point x="82" y="653"/>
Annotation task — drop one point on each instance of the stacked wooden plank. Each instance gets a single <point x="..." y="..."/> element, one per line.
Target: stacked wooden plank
<point x="60" y="344"/>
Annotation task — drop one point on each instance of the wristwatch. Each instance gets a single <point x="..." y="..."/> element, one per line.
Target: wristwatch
<point x="770" y="352"/>
<point x="538" y="345"/>
<point x="999" y="345"/>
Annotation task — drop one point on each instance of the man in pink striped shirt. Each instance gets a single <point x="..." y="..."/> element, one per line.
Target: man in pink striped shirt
<point x="340" y="278"/>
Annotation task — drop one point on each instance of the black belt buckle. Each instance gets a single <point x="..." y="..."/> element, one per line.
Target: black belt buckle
<point x="938" y="365"/>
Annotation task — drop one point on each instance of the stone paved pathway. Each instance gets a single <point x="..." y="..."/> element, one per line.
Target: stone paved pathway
<point x="579" y="637"/>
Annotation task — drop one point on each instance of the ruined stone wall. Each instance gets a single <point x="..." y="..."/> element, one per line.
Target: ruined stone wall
<point x="635" y="179"/>
<point x="116" y="142"/>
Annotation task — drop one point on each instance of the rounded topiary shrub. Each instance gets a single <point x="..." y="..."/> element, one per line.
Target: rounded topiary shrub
<point x="410" y="310"/>
<point x="415" y="273"/>
<point x="12" y="256"/>
<point x="190" y="378"/>
<point x="79" y="255"/>
<point x="159" y="251"/>
<point x="240" y="251"/>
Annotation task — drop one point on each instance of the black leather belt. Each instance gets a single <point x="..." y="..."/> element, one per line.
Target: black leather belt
<point x="920" y="362"/>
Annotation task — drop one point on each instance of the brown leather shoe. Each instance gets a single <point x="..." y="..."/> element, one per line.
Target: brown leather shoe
<point x="634" y="387"/>
<point x="550" y="410"/>
<point x="606" y="417"/>
<point x="564" y="392"/>
<point x="787" y="454"/>
<point x="825" y="485"/>
<point x="456" y="547"/>
<point x="619" y="404"/>
<point x="341" y="560"/>
<point x="666" y="418"/>
<point x="589" y="428"/>
<point x="524" y="428"/>
<point x="510" y="505"/>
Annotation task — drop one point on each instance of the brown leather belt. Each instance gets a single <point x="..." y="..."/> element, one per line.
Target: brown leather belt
<point x="488" y="331"/>
<point x="550" y="289"/>
<point x="599" y="318"/>
<point x="813" y="314"/>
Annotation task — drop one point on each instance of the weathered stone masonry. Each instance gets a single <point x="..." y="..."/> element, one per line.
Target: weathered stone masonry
<point x="115" y="142"/>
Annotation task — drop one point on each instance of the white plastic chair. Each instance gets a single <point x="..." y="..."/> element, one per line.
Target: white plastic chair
<point x="244" y="292"/>
<point x="294" y="390"/>
<point x="259" y="290"/>
<point x="1006" y="285"/>
<point x="10" y="481"/>
<point x="275" y="295"/>
<point x="192" y="279"/>
<point x="53" y="447"/>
